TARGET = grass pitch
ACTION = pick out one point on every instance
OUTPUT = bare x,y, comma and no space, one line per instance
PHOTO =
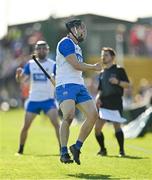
41,159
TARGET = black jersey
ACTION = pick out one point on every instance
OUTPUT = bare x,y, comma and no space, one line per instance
111,94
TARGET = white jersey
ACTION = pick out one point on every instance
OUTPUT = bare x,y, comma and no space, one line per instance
40,86
65,73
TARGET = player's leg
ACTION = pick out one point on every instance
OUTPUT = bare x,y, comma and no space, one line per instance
120,138
89,109
68,111
53,116
66,96
100,136
29,117
32,109
50,109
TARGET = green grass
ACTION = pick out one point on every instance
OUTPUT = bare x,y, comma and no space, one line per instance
41,160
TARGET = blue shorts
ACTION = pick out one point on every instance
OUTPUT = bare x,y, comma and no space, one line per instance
76,92
38,106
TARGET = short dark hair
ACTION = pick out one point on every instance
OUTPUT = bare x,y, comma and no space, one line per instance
73,23
110,50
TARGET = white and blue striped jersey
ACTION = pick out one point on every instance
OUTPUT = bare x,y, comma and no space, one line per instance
40,86
65,73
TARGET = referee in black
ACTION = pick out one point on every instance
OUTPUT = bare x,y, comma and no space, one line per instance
112,80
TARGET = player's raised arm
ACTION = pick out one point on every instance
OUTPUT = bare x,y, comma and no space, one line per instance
81,66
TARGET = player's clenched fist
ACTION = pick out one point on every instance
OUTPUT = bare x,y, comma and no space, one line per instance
18,73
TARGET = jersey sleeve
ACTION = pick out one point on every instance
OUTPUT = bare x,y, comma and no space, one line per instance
66,47
123,75
26,69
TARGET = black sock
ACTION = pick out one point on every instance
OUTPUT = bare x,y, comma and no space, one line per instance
120,138
21,148
100,140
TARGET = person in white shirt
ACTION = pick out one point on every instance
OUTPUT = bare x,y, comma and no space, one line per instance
41,95
70,89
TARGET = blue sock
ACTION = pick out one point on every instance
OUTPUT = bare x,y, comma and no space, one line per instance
78,144
64,150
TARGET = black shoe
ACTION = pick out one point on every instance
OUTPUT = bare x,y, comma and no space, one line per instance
20,152
20,149
102,152
121,154
66,158
76,153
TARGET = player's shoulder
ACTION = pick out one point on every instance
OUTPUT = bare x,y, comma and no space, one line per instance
66,40
31,61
